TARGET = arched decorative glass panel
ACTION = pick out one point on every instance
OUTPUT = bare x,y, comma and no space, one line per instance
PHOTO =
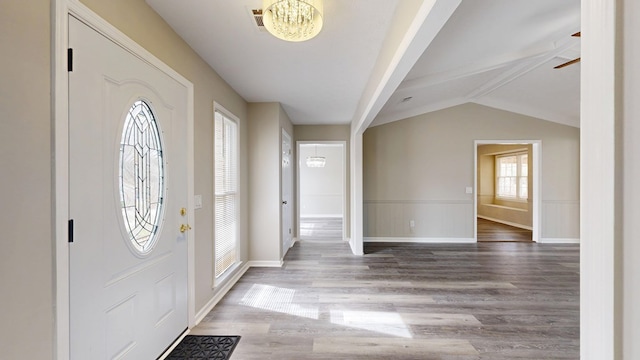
141,177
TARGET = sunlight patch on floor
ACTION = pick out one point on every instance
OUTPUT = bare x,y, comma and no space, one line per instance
277,299
388,323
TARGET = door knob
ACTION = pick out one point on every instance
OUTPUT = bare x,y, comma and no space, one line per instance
284,203
184,227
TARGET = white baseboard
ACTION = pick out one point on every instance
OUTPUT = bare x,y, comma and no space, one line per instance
229,284
260,263
222,291
559,241
321,216
420,240
506,222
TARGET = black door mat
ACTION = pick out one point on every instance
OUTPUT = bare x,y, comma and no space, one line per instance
204,347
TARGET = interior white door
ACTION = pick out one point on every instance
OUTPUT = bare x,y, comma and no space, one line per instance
287,184
128,258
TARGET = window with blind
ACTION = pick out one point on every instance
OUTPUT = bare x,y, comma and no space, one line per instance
512,176
226,192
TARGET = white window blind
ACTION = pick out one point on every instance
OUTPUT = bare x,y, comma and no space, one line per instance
226,192
511,176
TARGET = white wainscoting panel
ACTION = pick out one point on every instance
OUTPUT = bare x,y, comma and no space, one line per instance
432,219
560,221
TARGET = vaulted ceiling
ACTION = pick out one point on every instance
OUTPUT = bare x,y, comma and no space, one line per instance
378,61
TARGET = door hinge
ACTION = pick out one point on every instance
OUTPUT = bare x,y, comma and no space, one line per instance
70,59
70,230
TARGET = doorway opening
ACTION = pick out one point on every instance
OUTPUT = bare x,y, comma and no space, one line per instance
321,190
507,188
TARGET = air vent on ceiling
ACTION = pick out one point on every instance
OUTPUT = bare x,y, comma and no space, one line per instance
257,17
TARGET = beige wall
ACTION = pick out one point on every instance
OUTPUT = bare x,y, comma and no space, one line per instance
331,133
26,275
265,138
628,286
511,212
418,168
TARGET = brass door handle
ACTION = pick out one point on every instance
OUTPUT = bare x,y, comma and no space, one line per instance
184,227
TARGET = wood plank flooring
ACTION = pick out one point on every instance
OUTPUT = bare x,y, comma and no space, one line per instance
494,231
407,301
320,229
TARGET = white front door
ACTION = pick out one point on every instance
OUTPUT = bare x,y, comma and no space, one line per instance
128,184
287,184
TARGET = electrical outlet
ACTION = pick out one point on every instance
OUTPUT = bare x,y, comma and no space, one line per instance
412,223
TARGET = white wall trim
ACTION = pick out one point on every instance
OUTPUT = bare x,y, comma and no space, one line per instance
506,222
322,216
420,240
559,241
265,263
287,242
60,100
217,107
601,273
356,241
221,292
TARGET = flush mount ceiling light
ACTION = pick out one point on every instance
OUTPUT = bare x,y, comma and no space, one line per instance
292,20
316,161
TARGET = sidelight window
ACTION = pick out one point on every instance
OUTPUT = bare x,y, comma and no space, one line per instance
226,192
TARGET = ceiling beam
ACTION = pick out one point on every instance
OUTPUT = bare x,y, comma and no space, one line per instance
519,70
400,51
415,111
474,69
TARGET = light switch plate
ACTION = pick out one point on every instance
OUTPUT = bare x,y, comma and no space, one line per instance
197,201
468,190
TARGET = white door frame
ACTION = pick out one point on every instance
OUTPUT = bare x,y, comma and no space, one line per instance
537,182
344,182
286,245
60,97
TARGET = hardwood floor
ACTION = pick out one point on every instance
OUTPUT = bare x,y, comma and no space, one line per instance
407,301
321,229
494,231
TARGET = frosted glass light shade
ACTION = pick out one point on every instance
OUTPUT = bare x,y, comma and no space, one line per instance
292,20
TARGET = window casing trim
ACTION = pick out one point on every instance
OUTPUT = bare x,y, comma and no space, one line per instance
220,278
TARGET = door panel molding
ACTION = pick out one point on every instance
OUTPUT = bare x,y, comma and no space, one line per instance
60,97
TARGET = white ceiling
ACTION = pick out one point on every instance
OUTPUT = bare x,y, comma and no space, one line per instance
369,57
